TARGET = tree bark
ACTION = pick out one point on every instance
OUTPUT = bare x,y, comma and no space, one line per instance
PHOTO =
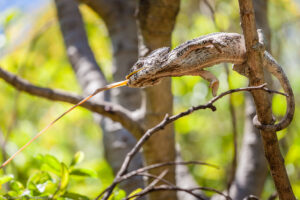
156,20
252,168
117,141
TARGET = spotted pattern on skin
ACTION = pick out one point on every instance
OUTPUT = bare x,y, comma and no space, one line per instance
195,55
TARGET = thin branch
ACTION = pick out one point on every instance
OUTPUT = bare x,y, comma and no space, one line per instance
167,182
234,134
165,188
145,174
150,186
176,188
143,169
167,120
157,165
212,190
211,9
115,112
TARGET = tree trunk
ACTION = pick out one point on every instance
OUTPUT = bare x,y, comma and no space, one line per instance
252,168
262,102
117,141
156,19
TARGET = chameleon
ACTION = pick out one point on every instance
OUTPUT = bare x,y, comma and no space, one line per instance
191,58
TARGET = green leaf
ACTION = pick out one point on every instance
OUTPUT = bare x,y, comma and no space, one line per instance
50,188
135,192
39,177
72,195
12,194
78,157
118,194
3,198
64,176
6,178
13,14
47,168
83,172
16,186
52,162
33,183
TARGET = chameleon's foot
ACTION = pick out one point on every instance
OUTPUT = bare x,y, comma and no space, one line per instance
208,76
242,69
214,85
214,82
265,127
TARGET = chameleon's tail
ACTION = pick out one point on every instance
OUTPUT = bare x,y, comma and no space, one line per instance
275,69
107,87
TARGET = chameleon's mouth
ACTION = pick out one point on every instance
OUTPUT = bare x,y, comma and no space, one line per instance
142,82
134,72
139,78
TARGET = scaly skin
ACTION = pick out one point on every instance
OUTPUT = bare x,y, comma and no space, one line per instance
192,57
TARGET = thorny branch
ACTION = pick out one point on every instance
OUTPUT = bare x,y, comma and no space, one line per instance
167,120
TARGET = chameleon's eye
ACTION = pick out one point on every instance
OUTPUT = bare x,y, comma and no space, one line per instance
137,67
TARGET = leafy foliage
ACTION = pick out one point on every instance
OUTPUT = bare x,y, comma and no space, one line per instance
51,181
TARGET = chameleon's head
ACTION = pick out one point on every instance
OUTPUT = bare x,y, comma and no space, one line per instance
144,72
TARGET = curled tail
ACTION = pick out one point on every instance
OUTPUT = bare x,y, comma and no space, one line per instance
275,69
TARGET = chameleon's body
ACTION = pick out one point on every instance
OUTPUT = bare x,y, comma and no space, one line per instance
192,57
189,58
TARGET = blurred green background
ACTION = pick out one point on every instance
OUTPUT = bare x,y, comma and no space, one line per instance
31,46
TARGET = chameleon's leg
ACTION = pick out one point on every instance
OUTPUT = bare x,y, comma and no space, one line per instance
182,53
214,82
